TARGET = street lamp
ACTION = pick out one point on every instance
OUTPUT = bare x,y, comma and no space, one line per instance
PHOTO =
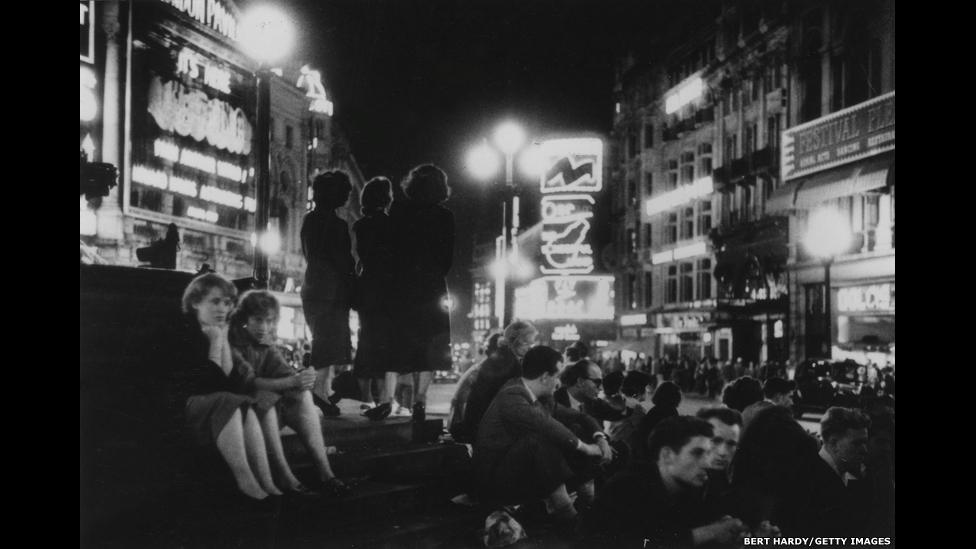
828,235
266,35
482,162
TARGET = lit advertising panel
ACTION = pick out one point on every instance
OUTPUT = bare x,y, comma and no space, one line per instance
192,133
566,298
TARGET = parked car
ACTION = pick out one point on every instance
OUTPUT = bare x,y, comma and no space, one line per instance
821,384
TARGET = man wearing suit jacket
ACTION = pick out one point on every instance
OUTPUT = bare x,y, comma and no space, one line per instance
521,452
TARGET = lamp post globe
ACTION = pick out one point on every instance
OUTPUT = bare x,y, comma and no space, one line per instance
266,34
482,162
509,137
828,235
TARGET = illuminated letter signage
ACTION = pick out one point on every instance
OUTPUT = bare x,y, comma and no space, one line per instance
211,13
311,80
188,112
197,66
873,298
574,168
566,298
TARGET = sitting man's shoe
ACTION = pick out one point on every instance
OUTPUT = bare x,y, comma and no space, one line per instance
335,488
328,408
302,491
379,412
419,412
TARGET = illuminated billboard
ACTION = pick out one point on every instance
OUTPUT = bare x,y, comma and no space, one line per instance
192,131
566,298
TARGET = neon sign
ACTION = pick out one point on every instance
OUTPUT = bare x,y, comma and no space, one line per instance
684,93
161,180
875,297
568,332
187,112
211,13
682,252
311,80
89,104
167,150
87,30
633,320
196,66
566,297
573,169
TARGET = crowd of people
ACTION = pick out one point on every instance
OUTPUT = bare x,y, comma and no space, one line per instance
603,454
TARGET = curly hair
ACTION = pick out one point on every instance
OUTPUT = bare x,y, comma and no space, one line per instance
256,303
426,184
330,190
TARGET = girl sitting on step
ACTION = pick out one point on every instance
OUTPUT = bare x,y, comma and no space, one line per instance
253,334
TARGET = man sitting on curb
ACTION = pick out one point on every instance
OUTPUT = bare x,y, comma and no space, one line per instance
659,504
521,453
726,427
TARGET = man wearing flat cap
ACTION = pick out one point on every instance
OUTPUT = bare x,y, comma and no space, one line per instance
778,392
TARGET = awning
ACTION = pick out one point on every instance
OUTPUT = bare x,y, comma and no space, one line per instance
845,181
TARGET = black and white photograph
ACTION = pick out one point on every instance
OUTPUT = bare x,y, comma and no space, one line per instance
468,274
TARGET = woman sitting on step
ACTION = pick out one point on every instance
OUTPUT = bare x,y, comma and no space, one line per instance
253,334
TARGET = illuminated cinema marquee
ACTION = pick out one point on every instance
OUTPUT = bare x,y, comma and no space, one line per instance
587,297
574,170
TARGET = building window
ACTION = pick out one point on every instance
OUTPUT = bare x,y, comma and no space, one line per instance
688,223
705,279
671,230
687,167
631,241
746,203
672,174
731,147
671,295
647,235
648,136
687,281
747,93
750,139
648,184
632,293
648,288
632,197
772,132
704,217
756,88
704,159
289,137
632,145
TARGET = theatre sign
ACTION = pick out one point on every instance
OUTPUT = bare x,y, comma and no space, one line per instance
568,290
192,121
851,134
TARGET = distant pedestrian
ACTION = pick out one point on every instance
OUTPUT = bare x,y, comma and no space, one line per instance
327,291
424,254
375,242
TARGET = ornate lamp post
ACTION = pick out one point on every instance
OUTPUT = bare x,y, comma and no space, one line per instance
828,235
266,35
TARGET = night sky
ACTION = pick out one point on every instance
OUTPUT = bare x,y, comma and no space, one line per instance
417,81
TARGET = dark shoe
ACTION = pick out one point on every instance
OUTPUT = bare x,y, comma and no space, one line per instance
335,488
270,504
334,398
379,412
328,408
419,412
302,491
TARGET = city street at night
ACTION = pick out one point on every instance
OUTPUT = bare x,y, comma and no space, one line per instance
486,273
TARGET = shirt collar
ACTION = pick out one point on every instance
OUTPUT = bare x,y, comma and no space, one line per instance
531,394
573,403
825,455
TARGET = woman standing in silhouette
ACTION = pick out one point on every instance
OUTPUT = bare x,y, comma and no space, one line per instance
424,232
327,291
374,246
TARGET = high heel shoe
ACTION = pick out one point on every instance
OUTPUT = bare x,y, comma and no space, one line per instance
328,408
379,412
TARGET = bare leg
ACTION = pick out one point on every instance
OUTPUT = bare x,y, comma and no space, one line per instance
388,387
421,385
230,443
323,382
257,454
276,452
305,421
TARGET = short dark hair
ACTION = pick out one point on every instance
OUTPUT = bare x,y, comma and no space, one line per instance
742,392
576,350
675,432
724,414
426,184
635,383
540,360
492,345
612,382
256,303
578,370
837,420
330,190
377,194
667,394
778,386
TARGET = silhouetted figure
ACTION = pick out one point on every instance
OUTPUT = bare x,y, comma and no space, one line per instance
424,232
375,357
327,291
162,254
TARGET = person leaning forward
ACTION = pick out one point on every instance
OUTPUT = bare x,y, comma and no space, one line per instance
521,452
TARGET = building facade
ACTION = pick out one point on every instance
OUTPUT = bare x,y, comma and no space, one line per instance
706,255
